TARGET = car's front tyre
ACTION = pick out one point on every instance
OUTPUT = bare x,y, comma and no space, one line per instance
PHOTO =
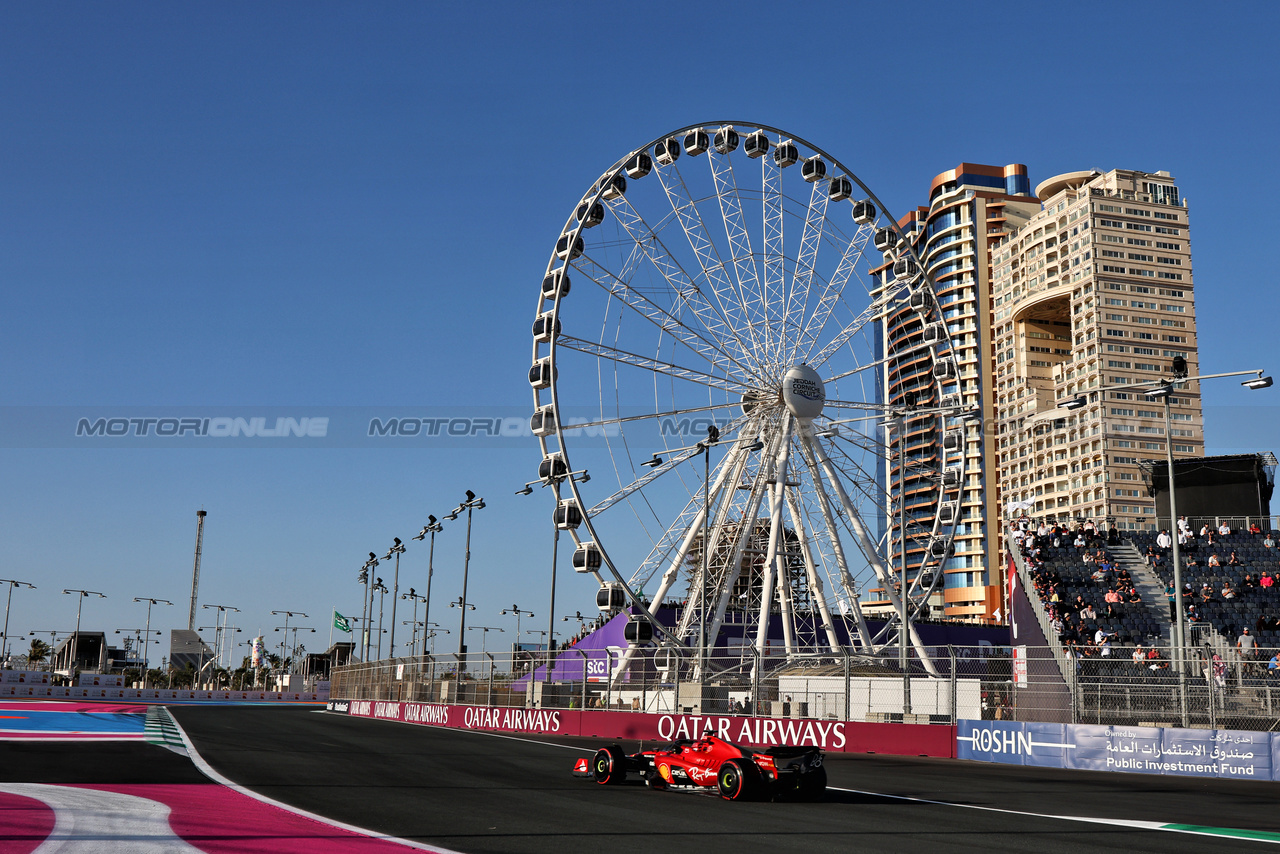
609,767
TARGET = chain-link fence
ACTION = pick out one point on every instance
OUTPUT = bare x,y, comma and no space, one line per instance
1233,691
946,684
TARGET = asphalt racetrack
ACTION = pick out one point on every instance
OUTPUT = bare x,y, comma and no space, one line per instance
474,793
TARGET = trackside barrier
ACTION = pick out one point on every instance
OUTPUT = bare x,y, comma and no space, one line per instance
59,692
831,735
1219,753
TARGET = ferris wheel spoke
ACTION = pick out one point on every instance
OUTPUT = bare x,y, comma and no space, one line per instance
739,237
797,300
849,259
732,306
659,470
619,287
604,351
713,320
878,363
774,261
851,329
648,416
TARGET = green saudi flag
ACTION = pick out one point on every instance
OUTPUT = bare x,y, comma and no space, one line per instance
341,623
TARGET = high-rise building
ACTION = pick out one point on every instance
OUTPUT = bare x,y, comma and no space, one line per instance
971,209
1092,294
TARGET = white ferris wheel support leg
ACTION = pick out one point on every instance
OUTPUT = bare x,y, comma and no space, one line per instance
673,571
744,532
868,549
775,534
733,461
837,548
811,571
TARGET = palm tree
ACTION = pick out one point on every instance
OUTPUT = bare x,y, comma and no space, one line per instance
38,652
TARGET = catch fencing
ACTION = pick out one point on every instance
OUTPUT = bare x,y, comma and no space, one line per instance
1019,683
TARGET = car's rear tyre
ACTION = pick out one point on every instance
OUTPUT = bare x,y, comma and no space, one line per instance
609,767
812,786
738,780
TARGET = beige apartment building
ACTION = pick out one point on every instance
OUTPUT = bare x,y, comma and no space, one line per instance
1092,294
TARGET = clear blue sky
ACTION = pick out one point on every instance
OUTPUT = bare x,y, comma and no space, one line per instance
351,205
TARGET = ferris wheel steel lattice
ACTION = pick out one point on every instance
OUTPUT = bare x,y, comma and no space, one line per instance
709,345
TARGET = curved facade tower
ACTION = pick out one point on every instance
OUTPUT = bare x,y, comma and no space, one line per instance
972,208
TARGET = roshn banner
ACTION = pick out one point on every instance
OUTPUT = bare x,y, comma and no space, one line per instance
1225,754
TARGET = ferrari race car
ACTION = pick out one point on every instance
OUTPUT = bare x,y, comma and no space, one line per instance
738,773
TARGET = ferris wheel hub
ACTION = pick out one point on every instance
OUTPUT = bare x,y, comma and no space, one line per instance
803,392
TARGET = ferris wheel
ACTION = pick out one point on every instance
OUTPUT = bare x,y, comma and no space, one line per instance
709,373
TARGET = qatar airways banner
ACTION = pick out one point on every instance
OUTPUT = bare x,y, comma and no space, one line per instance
835,736
1225,754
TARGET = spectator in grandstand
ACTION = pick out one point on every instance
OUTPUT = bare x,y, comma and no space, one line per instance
1213,560
1266,581
1249,580
1112,597
1157,560
1233,560
1228,592
1193,616
1055,623
1205,529
1078,542
1100,574
1186,541
1132,597
1217,672
1087,612
1138,655
1171,593
1273,666
1163,540
1247,645
1269,542
1254,529
1206,593
1224,530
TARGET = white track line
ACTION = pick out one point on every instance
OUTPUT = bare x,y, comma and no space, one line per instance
209,772
1116,822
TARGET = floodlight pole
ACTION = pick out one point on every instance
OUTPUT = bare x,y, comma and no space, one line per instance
4,646
75,639
432,528
396,549
146,661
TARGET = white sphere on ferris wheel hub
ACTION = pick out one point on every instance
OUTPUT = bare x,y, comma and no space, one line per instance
709,346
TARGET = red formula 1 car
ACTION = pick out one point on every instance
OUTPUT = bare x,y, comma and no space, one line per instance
739,773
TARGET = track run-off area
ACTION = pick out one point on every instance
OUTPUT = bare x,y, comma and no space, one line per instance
265,779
